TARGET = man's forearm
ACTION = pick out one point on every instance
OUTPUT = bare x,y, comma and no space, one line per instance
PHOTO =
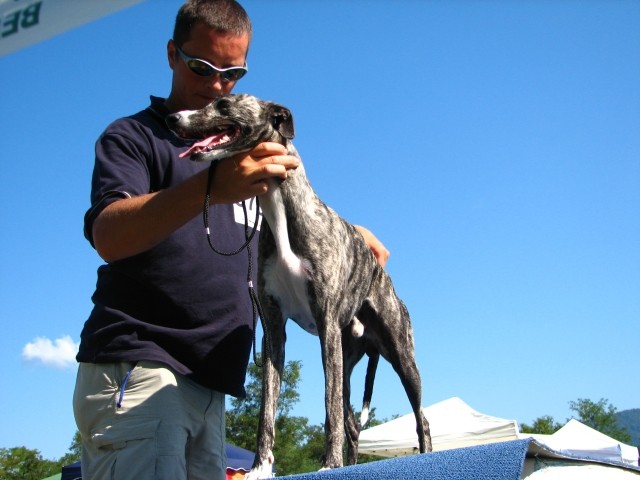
133,225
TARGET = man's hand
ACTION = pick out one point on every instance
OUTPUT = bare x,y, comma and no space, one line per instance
376,246
245,176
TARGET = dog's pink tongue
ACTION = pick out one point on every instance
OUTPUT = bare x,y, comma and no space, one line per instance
197,146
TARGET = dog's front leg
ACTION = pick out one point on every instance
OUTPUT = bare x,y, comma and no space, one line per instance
352,351
272,368
330,342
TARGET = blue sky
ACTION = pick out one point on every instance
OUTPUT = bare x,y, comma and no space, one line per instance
494,147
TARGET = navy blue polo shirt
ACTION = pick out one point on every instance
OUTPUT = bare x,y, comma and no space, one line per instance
178,303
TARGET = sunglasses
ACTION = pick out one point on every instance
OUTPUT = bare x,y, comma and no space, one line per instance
205,69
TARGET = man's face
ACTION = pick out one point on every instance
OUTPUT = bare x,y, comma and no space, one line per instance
222,50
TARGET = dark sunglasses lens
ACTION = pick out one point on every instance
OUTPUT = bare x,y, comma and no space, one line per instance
200,68
233,75
205,70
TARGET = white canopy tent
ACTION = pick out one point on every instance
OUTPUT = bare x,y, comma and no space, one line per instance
26,22
578,439
453,424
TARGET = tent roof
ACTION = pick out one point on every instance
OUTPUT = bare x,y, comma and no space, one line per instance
238,458
576,438
512,460
453,424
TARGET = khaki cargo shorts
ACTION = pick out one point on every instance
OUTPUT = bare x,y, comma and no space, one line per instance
144,421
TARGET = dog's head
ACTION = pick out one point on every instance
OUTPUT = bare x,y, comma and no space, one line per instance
231,124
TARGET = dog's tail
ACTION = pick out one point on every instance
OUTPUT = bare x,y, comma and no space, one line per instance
372,366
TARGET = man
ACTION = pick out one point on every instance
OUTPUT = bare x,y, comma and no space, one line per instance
171,328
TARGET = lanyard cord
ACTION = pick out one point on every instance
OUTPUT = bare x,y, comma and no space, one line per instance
205,215
248,235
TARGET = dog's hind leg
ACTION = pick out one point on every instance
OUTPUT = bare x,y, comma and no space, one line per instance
392,325
372,366
351,425
409,376
352,352
366,343
402,358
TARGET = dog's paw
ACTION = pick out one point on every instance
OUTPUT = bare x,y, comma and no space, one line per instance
331,467
263,470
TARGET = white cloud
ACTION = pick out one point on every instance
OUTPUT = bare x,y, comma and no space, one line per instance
61,353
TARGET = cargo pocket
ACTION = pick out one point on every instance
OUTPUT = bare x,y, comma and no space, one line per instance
132,442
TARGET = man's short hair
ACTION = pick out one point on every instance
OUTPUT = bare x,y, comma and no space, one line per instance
226,16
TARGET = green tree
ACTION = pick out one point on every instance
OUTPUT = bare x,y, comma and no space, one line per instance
371,422
313,449
293,433
75,450
544,425
21,463
299,446
601,416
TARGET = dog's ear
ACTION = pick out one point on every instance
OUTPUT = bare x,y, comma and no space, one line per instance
282,120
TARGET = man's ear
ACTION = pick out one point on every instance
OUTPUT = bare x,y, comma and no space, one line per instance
171,53
282,120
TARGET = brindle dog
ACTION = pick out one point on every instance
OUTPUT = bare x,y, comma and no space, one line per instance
315,268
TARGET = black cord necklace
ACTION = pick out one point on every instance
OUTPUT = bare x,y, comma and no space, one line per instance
248,235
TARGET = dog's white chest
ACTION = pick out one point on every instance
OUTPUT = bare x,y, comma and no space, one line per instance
286,276
286,281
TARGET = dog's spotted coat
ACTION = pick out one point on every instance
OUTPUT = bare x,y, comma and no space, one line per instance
315,268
